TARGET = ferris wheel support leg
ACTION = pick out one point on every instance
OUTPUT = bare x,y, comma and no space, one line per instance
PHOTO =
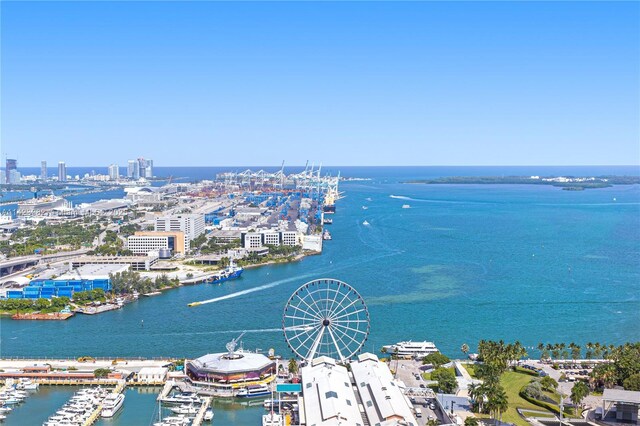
314,348
336,344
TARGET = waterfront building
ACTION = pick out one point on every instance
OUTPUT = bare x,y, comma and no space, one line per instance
3,177
142,242
619,405
230,367
331,396
289,238
251,240
192,225
43,170
136,263
114,172
268,237
144,194
152,374
133,169
62,171
13,176
10,165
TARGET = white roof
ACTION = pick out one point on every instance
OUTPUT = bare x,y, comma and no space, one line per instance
621,395
328,395
93,271
221,363
380,393
153,371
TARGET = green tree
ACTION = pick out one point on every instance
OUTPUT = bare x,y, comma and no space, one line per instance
471,421
534,389
436,359
579,391
446,379
101,372
548,383
632,382
293,366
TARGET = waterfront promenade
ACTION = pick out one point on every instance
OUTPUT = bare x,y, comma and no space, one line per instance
132,364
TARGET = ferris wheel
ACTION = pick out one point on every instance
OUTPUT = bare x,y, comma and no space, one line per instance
325,317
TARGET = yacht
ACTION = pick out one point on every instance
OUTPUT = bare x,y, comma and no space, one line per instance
412,349
365,223
186,409
326,235
253,391
406,206
27,384
208,415
112,404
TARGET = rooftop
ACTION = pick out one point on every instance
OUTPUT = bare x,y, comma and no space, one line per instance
240,362
621,395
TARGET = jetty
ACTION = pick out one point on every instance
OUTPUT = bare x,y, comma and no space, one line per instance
197,421
54,316
165,390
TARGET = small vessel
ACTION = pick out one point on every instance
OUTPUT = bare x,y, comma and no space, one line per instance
406,206
365,223
327,221
208,415
112,403
412,349
272,419
229,273
364,207
2,417
186,409
368,199
326,235
253,391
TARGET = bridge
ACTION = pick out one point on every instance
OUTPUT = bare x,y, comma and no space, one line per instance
10,266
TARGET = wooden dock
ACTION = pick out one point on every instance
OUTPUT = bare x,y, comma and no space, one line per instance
197,421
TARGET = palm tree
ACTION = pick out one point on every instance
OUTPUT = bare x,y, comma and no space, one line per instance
579,391
293,366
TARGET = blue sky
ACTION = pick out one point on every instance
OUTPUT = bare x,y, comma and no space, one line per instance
416,83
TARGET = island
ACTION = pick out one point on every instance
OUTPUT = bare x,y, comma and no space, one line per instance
568,183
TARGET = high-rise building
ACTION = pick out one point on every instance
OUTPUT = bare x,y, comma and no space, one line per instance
142,167
133,169
62,171
114,172
10,165
43,170
149,169
191,224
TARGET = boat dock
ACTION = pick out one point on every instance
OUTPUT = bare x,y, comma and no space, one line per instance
197,421
166,390
52,316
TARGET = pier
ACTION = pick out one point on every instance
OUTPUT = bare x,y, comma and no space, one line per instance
165,390
197,421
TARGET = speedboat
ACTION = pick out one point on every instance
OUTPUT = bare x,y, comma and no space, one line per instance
365,223
208,415
406,206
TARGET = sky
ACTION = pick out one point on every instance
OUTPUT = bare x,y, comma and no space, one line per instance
342,83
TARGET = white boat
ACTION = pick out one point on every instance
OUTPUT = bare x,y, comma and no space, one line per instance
364,207
5,409
272,419
186,409
365,223
412,349
27,384
112,404
253,391
2,417
406,206
208,415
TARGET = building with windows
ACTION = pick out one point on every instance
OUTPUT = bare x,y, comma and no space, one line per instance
11,165
43,170
114,172
62,171
192,225
142,242
268,237
251,240
133,169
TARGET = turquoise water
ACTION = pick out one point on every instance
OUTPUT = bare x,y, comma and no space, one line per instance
463,263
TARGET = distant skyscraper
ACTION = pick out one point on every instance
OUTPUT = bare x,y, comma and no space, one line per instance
9,166
43,170
142,167
62,171
114,172
149,169
133,169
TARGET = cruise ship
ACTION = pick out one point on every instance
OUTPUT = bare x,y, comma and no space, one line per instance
111,404
45,203
412,349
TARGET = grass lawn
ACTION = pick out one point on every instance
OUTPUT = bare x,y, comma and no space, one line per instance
545,415
427,376
470,369
513,381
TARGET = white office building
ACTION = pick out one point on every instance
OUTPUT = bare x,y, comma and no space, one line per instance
191,224
143,244
252,240
289,238
271,238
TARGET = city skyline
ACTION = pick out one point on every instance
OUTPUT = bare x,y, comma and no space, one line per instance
226,84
